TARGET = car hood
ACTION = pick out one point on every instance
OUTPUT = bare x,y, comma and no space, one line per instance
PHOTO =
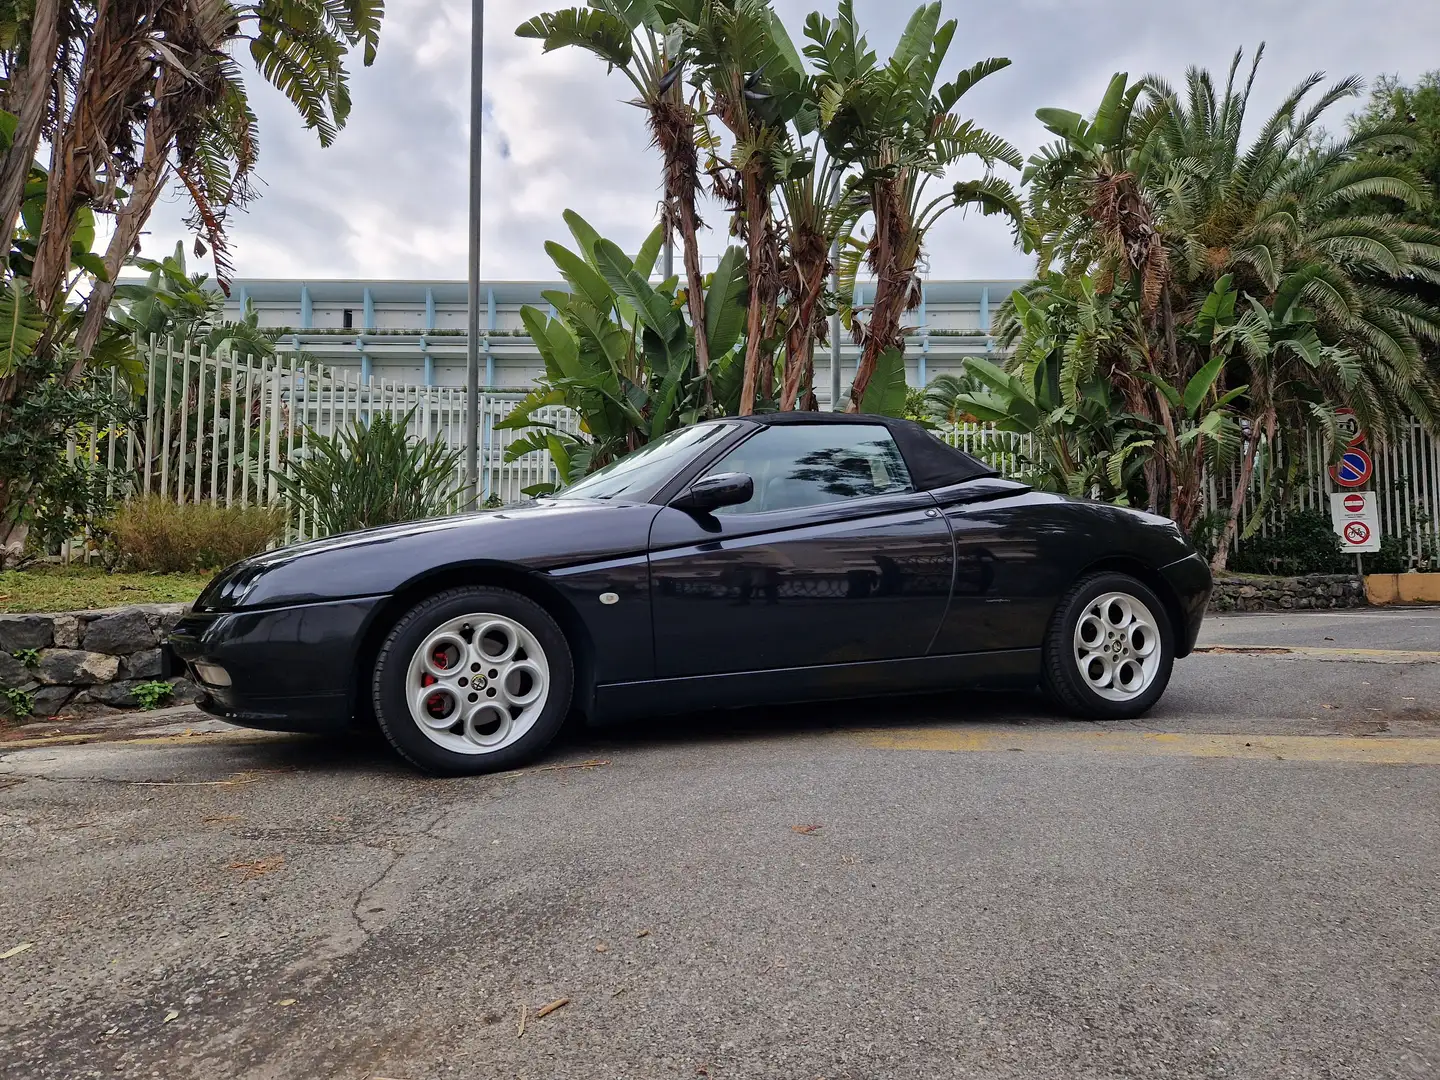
541,535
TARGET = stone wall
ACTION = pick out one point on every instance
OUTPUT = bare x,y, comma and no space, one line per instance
1246,593
87,660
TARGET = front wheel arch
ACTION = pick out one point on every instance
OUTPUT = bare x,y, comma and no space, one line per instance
1147,575
528,584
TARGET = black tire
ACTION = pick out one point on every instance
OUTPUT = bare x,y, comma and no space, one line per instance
392,673
1062,677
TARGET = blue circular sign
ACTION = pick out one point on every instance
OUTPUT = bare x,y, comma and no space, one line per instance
1355,468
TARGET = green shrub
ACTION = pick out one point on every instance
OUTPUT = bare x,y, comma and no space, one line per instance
151,694
18,703
155,534
371,474
1305,543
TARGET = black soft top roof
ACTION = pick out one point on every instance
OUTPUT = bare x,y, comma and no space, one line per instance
932,462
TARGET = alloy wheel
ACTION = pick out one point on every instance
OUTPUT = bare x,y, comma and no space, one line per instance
477,683
1117,646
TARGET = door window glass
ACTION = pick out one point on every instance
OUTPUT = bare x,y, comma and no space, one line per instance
795,465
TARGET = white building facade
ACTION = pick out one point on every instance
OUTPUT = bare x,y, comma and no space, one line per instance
413,332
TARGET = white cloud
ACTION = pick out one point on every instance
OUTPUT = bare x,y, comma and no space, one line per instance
389,199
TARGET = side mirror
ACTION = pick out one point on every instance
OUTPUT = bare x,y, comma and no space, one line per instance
712,492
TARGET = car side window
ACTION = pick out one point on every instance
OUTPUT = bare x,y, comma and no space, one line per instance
795,465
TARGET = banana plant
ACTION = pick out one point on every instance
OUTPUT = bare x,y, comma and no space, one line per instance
1086,447
619,352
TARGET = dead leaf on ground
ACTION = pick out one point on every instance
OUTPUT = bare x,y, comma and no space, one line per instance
602,947
257,867
17,950
520,1032
558,1003
643,933
806,830
287,1002
1325,705
173,1014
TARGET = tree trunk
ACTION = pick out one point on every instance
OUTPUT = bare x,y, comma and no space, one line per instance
1237,501
800,337
695,283
28,97
144,189
673,126
755,210
892,286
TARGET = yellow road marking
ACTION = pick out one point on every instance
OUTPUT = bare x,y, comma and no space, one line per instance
1323,652
1155,744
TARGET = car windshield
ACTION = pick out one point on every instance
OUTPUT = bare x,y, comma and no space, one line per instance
638,474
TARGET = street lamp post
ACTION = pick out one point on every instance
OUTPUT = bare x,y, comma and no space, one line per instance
472,351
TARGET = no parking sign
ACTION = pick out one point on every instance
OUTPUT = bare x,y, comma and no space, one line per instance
1356,520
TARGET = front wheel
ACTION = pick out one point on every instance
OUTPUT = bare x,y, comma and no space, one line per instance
1110,648
473,680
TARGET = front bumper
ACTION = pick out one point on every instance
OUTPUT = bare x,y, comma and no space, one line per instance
1190,579
290,668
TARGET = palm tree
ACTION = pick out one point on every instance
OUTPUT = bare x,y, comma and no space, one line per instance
813,215
138,89
1163,201
753,82
630,36
895,124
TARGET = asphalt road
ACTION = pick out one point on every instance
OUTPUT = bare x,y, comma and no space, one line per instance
1242,885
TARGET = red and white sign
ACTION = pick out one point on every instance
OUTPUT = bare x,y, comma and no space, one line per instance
1355,469
1347,426
1356,520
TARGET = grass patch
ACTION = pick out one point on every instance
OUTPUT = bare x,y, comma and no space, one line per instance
75,588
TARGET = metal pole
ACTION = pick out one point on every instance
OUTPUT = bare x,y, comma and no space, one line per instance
668,261
472,350
835,330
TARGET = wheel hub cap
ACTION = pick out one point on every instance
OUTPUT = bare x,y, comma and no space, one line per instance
477,683
1117,646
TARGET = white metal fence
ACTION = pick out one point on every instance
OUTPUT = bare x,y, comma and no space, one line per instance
1296,473
220,430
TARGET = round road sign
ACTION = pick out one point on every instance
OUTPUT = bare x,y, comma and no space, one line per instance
1357,532
1347,426
1355,468
1354,503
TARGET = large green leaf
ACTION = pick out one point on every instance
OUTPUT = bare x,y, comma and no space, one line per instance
1200,384
649,252
21,325
583,277
885,396
656,310
588,28
724,307
585,235
557,347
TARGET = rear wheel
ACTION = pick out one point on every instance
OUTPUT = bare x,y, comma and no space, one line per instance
1110,648
473,680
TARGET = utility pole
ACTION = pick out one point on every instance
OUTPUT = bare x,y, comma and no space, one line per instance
471,496
835,330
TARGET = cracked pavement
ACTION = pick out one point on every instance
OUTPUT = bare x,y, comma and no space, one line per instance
953,886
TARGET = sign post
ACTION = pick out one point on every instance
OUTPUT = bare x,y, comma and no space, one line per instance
1356,519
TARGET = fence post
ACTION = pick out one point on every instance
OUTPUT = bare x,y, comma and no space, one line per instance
273,489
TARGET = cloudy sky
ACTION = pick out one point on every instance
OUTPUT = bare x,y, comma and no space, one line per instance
388,200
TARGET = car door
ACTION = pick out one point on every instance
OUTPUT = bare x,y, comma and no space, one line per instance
835,559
